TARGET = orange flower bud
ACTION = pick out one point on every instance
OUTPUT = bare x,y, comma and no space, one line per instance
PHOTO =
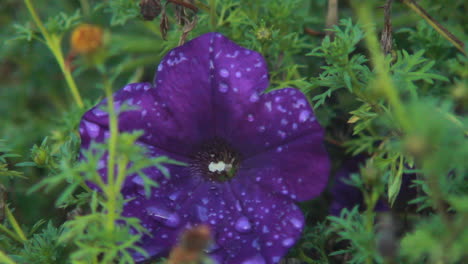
87,38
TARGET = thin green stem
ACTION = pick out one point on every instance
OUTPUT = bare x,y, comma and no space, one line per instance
53,43
213,14
11,234
5,259
384,81
15,225
112,152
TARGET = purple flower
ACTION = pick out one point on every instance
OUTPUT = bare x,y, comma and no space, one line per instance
251,154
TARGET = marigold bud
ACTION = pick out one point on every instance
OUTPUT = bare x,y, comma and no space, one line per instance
87,38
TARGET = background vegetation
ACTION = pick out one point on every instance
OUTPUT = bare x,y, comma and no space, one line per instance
401,104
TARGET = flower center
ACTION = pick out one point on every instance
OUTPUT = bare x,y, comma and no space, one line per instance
216,161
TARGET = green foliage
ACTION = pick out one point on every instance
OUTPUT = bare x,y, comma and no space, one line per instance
421,131
43,248
351,226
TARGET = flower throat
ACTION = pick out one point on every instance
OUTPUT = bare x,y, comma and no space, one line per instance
216,161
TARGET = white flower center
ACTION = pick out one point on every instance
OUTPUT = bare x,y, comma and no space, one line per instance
219,166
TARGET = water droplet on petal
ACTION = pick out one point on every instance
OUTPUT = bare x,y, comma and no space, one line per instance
167,218
254,98
224,73
255,260
250,118
223,87
242,224
238,74
261,129
303,115
296,222
268,106
288,242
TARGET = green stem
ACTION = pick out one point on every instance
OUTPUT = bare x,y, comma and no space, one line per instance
113,127
11,234
53,43
15,225
384,81
5,259
213,14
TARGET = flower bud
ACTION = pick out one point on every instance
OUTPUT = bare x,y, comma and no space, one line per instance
190,250
40,156
263,33
370,174
86,39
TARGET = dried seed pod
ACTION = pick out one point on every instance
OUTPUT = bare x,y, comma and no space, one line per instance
164,25
150,9
3,198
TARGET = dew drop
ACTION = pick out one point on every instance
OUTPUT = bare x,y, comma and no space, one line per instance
223,87
238,74
253,98
99,113
282,134
93,129
255,260
279,149
250,118
303,115
167,218
288,242
242,224
268,106
296,222
224,73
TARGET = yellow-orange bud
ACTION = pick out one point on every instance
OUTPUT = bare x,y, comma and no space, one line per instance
87,38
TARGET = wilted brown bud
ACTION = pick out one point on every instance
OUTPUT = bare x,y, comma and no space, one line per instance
150,9
190,250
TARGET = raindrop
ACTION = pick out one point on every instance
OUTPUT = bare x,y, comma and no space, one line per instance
288,242
303,115
242,224
279,149
223,87
99,113
268,106
238,74
224,73
250,118
255,260
282,134
254,98
167,218
93,129
296,223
